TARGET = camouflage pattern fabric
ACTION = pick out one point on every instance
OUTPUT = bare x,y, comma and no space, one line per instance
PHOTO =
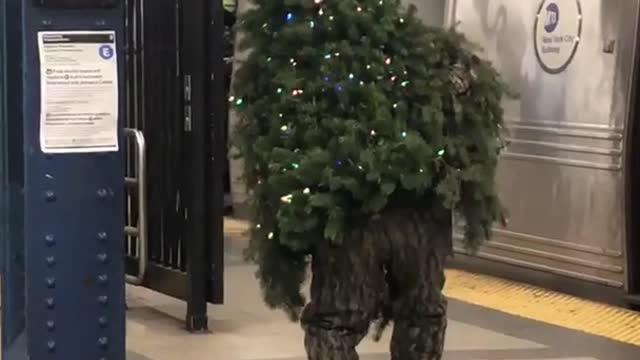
394,264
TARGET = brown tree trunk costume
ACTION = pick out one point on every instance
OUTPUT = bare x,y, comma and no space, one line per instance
390,266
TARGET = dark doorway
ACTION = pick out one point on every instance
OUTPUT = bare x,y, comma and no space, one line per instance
632,180
633,213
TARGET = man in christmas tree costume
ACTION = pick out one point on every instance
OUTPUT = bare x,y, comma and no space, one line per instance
363,133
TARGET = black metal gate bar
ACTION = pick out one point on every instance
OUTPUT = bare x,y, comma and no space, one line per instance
218,164
196,126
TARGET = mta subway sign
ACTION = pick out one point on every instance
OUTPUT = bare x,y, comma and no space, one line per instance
557,32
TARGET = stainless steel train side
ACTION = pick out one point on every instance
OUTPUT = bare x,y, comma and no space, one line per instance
565,176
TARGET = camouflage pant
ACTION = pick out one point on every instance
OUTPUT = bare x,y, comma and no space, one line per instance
397,260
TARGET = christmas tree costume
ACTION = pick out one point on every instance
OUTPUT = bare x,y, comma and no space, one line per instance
363,132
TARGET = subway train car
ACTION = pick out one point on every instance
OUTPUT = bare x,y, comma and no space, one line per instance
570,176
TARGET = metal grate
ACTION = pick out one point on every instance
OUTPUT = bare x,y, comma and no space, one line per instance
173,99
155,106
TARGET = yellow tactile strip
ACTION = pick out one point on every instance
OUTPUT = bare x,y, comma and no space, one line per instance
529,302
545,306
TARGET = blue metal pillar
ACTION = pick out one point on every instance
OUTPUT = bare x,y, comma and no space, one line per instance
63,271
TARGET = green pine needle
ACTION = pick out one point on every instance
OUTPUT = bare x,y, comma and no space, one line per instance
323,96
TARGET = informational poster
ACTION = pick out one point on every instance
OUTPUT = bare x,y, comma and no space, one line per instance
558,27
79,91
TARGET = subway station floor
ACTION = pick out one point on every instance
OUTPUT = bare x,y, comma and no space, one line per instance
490,319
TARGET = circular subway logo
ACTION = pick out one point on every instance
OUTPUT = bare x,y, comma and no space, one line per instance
557,31
551,17
106,52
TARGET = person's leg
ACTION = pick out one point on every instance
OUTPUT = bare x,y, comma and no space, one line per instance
347,284
420,335
420,309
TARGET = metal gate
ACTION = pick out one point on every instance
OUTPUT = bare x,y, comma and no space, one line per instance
175,151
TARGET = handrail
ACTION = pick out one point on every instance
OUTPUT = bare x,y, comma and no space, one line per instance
140,180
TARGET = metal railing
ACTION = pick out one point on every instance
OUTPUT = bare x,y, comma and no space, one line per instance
139,182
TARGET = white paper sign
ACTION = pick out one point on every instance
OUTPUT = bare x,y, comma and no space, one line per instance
79,91
557,33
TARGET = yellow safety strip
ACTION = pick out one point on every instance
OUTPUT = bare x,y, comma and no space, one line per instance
545,306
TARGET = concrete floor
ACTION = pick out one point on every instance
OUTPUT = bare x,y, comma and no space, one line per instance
244,329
